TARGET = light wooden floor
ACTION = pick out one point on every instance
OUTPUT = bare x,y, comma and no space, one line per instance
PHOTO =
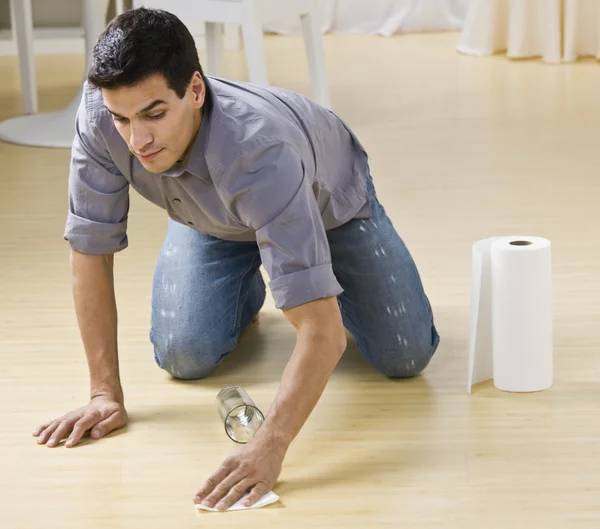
461,148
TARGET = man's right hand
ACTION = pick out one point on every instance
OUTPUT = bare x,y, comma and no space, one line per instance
102,415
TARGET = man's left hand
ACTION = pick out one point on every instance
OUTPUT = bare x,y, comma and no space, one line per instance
254,468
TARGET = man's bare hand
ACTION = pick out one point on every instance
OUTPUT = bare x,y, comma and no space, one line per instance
102,415
253,469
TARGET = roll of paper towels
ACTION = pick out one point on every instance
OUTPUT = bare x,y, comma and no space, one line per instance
511,314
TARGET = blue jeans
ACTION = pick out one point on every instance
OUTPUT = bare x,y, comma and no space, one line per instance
206,291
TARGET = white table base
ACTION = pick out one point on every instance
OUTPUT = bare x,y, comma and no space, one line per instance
56,129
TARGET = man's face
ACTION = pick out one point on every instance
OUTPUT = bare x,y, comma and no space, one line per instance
157,126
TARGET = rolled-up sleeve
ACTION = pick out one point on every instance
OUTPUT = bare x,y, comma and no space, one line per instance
270,193
98,194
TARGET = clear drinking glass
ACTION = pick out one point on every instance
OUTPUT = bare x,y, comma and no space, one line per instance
239,414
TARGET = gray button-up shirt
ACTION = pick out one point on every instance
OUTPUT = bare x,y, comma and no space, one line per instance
267,165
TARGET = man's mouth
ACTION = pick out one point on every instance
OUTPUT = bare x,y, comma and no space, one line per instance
149,156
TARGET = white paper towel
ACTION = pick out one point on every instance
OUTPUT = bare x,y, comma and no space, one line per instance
267,499
511,314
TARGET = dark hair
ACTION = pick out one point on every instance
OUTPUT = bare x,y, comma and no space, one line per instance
140,43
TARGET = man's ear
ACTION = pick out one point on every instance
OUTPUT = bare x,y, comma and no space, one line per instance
198,88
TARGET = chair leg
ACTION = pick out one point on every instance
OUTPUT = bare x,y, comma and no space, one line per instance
23,32
313,41
232,37
254,45
119,7
94,22
214,48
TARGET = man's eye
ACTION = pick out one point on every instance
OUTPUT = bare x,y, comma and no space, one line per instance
157,116
120,120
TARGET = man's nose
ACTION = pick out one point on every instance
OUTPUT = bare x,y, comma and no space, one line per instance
140,137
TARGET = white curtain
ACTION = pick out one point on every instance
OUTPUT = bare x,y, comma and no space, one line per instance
555,30
381,17
521,28
581,29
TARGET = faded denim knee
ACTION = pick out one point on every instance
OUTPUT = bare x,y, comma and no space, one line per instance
190,355
405,358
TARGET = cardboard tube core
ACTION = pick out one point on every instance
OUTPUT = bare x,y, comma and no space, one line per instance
520,243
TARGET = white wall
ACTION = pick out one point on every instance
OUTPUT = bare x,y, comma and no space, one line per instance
57,28
50,13
57,22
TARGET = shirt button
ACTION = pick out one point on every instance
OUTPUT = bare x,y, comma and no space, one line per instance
177,201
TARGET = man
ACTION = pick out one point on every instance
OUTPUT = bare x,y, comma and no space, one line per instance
248,175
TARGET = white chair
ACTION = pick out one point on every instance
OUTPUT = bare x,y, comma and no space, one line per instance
46,129
250,15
